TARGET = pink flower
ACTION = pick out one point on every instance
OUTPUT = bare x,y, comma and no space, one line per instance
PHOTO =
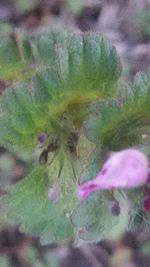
124,169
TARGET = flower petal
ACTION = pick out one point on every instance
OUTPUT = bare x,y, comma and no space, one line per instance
124,169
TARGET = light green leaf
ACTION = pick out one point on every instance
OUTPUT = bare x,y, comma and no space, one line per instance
28,203
17,99
115,127
46,48
15,54
95,221
92,168
46,83
94,218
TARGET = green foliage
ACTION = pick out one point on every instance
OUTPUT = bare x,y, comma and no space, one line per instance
142,20
90,170
17,124
137,218
82,61
57,87
15,54
118,124
8,51
114,125
29,204
71,55
73,86
94,219
141,85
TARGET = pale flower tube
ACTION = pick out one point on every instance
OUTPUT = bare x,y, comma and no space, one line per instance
124,169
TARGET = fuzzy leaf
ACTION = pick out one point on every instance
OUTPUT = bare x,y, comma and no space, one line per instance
22,117
91,169
46,46
75,48
46,84
8,51
85,59
117,126
17,99
87,211
15,53
142,84
71,80
136,219
68,77
29,205
100,59
93,215
95,220
10,138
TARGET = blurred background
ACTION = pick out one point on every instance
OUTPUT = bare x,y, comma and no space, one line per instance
126,24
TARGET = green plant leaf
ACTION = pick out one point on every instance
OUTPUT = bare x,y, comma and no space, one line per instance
94,218
29,205
85,214
93,215
44,46
142,20
46,84
71,71
119,125
20,96
85,59
57,88
90,170
15,54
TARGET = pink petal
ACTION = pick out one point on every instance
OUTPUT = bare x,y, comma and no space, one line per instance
86,189
124,169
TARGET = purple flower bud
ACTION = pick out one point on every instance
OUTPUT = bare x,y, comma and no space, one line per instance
41,137
53,194
115,208
146,201
124,169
